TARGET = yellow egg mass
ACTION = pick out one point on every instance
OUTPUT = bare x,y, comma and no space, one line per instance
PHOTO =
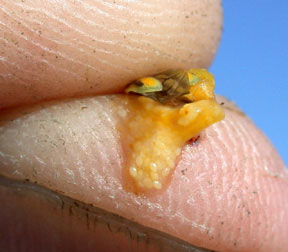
157,133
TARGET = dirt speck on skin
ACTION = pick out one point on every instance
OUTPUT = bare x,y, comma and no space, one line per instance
184,171
229,105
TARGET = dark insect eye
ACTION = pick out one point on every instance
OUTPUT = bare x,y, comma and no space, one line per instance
138,83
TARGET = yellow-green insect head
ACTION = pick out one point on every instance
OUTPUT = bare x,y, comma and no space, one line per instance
145,85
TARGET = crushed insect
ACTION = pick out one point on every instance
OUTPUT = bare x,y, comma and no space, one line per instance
173,107
176,86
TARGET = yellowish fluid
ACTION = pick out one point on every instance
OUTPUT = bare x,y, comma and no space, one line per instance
157,133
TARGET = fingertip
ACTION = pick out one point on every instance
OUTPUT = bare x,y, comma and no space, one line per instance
94,47
227,192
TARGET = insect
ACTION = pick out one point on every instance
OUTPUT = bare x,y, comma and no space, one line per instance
176,86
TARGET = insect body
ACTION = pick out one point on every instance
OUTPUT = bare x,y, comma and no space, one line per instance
176,86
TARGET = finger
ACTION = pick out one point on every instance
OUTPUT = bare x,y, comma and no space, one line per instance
227,193
72,48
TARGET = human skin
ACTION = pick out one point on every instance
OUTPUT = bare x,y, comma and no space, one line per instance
229,190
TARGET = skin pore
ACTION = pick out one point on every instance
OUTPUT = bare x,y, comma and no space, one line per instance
229,189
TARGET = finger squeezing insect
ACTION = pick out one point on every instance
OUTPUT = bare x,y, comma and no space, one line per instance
176,86
171,108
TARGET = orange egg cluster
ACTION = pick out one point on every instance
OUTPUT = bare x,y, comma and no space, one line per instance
157,134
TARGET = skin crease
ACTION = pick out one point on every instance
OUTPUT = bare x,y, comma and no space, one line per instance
232,196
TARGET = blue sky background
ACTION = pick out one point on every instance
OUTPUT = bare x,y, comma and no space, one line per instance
251,67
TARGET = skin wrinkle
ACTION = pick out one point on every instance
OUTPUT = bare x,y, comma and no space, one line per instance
54,52
89,22
134,15
256,154
30,73
65,43
232,142
7,62
213,142
238,200
57,53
